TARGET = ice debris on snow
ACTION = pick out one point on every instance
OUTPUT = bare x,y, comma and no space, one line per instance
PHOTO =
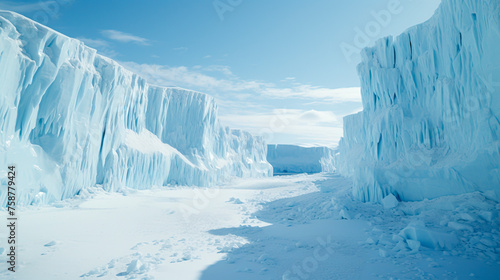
51,244
235,200
429,238
383,253
390,201
460,226
413,244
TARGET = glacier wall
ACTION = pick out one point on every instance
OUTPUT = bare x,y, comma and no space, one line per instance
431,120
289,159
72,119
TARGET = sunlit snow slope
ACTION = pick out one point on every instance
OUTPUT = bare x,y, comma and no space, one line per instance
431,96
70,119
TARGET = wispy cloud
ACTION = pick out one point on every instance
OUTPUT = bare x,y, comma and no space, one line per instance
181,49
197,77
310,92
174,76
223,69
123,37
21,7
191,78
95,43
102,46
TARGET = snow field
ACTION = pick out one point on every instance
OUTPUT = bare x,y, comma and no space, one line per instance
285,227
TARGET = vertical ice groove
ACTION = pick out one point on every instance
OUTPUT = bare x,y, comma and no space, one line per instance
83,120
441,135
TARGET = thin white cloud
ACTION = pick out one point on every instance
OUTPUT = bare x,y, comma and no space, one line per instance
103,47
318,117
173,76
94,43
223,69
355,111
196,78
241,105
180,49
124,37
312,92
190,78
21,7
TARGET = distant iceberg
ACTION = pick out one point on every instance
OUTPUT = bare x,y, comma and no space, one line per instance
71,119
431,120
291,159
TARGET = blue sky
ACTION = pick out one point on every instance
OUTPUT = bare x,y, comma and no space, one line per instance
282,69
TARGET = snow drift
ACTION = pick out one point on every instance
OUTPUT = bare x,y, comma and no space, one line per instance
296,159
71,119
430,125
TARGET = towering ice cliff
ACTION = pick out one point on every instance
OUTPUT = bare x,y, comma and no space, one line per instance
431,120
71,119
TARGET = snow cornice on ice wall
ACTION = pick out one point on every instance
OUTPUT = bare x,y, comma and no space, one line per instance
431,96
72,119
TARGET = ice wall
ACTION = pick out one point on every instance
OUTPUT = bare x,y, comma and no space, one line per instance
431,96
289,159
71,119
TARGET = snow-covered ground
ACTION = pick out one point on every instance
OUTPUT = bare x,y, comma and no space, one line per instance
290,227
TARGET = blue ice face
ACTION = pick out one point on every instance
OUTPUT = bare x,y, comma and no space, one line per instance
430,125
72,119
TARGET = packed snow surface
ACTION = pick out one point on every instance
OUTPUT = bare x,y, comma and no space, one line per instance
431,120
284,227
289,159
71,119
